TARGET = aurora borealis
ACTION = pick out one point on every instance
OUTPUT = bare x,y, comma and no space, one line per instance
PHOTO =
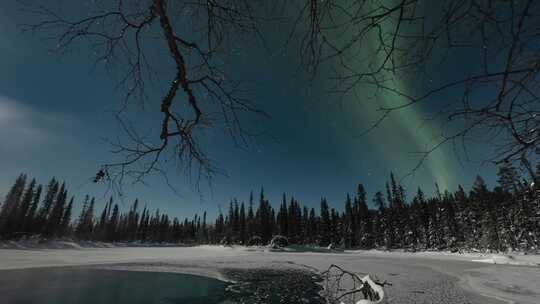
310,147
405,134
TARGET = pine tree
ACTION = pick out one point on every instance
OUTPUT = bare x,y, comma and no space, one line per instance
25,205
46,207
293,218
265,218
53,222
479,191
362,226
229,221
325,225
396,193
143,225
29,220
305,226
103,224
132,221
335,228
450,228
478,196
204,232
349,228
312,227
112,225
384,228
66,217
434,231
88,226
282,217
236,220
8,213
251,217
508,178
243,234
484,220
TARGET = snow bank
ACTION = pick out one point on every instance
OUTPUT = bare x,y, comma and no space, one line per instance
522,260
515,258
377,288
35,243
512,284
406,271
66,243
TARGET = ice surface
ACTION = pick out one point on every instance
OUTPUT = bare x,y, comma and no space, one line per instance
432,277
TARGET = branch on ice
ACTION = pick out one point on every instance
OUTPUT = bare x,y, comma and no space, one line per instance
345,287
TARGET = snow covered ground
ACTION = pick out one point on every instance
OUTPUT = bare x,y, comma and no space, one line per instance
426,277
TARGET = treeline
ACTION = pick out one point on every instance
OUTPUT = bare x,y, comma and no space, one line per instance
506,217
26,211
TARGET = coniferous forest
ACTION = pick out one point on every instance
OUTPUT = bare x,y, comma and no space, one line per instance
506,217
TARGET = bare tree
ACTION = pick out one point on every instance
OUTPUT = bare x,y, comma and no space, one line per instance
343,286
368,45
375,44
192,38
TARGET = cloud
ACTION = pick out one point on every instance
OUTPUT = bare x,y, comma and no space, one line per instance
22,126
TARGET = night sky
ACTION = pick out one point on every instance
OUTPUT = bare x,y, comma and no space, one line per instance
56,111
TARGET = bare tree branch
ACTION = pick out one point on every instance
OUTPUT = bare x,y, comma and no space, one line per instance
373,46
197,35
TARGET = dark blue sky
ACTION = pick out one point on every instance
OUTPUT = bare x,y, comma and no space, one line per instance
55,112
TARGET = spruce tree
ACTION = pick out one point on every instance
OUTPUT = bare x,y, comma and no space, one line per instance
112,225
89,219
243,227
282,217
325,225
362,229
29,220
53,222
251,217
508,178
204,228
25,205
66,218
46,207
10,208
132,221
349,227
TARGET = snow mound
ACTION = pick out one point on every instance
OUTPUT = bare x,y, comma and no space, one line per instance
376,291
279,241
523,260
37,243
344,286
379,291
509,258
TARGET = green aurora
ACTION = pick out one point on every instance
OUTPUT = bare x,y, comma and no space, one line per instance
405,134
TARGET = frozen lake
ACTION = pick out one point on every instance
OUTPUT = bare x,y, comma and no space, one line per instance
416,277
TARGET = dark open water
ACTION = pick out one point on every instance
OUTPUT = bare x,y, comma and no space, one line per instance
97,286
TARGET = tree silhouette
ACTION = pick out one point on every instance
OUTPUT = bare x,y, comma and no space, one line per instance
364,45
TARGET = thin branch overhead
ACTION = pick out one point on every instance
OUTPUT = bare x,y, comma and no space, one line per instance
373,46
396,50
122,34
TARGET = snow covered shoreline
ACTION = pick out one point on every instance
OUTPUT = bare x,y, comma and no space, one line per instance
511,258
437,277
